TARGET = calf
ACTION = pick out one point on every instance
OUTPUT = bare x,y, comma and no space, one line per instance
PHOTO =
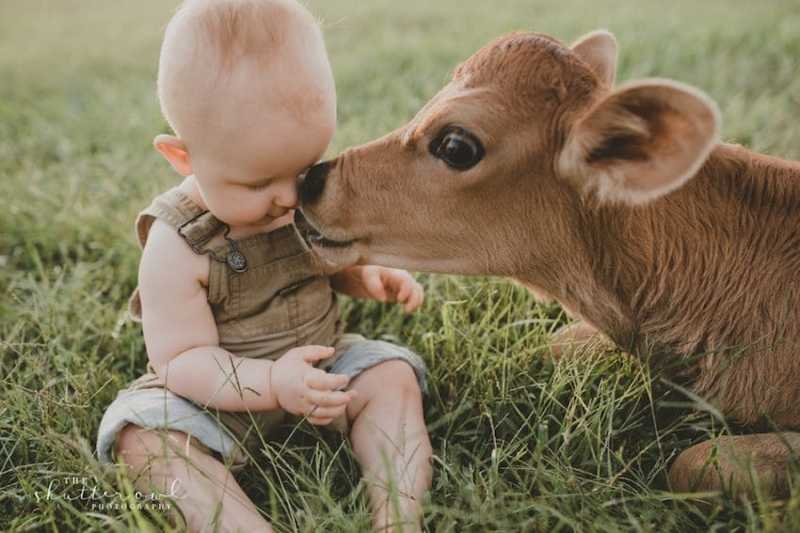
618,202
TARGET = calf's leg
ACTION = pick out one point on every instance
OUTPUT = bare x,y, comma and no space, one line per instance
578,337
740,465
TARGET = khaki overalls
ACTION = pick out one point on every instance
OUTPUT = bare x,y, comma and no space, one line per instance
267,295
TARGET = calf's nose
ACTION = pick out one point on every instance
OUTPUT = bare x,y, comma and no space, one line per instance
312,185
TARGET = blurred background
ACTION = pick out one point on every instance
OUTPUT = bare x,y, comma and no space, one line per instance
78,107
521,444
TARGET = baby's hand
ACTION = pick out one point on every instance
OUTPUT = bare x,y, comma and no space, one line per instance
304,390
393,285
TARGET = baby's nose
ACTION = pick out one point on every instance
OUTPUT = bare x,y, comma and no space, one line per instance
286,198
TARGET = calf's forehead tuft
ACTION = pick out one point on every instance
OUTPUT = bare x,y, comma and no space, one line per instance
527,64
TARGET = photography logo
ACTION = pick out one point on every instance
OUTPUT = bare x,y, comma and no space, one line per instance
88,493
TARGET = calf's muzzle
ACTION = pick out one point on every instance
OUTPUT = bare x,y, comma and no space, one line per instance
311,187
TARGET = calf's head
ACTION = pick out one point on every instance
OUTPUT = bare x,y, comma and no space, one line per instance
492,174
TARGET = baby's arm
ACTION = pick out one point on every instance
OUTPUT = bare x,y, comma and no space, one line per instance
181,336
183,343
379,283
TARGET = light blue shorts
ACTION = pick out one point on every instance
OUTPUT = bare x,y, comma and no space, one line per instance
231,434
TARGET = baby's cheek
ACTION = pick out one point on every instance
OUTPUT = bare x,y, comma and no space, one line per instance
245,211
216,202
238,207
255,204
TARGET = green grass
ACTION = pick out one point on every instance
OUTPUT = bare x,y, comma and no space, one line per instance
521,444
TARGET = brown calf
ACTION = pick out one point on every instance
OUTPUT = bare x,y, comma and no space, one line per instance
619,203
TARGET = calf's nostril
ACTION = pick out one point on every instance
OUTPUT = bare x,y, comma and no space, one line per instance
311,187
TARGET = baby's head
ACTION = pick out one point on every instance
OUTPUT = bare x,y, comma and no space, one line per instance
247,87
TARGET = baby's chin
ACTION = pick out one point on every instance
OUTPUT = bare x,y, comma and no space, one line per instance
266,223
275,222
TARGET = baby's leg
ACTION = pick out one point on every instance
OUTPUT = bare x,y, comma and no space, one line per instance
206,492
391,443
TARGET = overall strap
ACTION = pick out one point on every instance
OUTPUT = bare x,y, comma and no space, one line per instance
194,224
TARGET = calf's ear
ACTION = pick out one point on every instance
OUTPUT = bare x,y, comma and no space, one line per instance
598,49
640,141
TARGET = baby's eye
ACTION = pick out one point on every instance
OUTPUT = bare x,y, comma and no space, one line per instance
258,186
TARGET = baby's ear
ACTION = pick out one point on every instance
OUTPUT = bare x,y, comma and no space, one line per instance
174,150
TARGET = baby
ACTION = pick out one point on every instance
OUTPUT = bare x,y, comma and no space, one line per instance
241,326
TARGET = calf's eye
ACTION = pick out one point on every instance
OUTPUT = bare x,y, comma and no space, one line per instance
458,148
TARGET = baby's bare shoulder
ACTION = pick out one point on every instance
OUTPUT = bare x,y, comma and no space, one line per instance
176,315
167,257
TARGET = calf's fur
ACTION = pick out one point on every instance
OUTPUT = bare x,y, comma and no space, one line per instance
619,203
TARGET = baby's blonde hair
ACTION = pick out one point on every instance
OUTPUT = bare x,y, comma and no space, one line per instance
221,33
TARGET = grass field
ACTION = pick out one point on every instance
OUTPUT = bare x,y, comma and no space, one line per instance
520,444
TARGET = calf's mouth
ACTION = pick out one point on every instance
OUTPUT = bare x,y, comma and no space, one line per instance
315,238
